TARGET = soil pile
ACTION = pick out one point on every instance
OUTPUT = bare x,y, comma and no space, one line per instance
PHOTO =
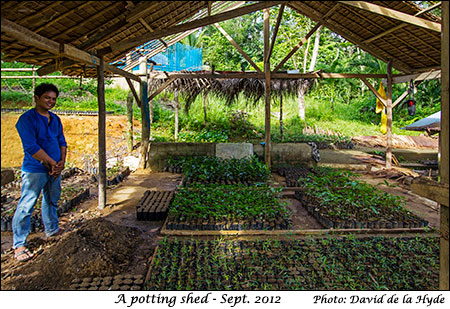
98,248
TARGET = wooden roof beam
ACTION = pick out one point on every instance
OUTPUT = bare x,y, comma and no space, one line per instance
416,77
87,20
239,49
161,88
401,25
64,50
354,11
146,25
62,16
133,90
141,10
294,50
390,13
129,44
374,91
347,34
275,31
51,67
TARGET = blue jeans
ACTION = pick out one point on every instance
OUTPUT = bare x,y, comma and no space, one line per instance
32,185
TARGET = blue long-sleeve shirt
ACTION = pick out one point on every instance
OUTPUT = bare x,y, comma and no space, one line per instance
36,132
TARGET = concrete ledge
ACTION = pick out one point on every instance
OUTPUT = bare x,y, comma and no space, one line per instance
287,153
160,152
234,150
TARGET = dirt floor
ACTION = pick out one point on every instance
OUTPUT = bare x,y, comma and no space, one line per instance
97,242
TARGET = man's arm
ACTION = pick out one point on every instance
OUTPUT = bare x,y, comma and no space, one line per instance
44,159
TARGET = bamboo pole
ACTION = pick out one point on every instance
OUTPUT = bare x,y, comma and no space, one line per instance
267,146
389,116
101,135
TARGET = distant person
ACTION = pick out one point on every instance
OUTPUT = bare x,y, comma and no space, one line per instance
44,147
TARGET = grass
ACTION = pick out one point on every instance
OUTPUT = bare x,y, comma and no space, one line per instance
345,119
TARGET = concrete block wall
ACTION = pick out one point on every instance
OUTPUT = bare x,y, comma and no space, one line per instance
160,152
286,153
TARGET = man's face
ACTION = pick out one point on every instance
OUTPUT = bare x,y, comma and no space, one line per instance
46,101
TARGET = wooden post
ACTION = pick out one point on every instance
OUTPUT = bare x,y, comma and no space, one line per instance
444,147
267,146
281,117
176,116
150,102
101,135
130,121
33,102
145,119
389,116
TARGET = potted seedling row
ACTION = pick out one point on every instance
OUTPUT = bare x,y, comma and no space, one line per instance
369,263
338,200
228,207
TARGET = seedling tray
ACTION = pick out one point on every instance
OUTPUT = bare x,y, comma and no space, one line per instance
213,224
116,283
332,222
154,205
323,263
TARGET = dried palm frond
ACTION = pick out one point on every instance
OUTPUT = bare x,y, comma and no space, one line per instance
230,88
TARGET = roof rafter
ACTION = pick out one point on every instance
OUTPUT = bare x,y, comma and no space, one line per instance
348,34
128,44
69,51
401,25
373,8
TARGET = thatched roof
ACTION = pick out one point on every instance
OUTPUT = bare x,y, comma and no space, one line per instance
230,88
94,26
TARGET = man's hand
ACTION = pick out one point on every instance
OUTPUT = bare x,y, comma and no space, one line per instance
57,169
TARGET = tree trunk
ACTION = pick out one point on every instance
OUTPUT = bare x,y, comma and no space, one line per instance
301,102
130,120
312,65
305,56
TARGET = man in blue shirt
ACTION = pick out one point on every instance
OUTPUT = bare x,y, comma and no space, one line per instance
44,149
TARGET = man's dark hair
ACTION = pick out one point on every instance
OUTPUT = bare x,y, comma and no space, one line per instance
43,88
